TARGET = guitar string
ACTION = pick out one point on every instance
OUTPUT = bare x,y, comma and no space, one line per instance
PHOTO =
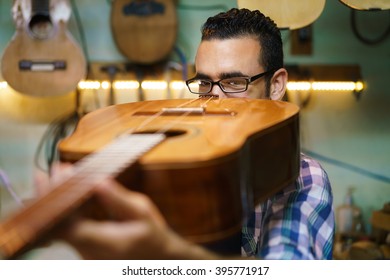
183,115
170,125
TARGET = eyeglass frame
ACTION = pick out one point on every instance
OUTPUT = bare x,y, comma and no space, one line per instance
247,79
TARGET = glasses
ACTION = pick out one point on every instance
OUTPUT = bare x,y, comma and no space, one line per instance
227,85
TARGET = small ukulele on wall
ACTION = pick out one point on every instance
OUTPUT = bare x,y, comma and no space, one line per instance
144,31
42,58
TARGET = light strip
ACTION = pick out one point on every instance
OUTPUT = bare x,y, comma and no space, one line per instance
296,86
131,84
179,85
126,85
154,85
325,86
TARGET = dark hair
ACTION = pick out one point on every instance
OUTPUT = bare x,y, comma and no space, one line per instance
243,22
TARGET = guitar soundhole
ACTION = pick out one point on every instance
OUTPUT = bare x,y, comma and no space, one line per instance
142,9
41,26
168,133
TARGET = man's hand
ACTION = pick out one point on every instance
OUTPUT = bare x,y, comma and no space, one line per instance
137,230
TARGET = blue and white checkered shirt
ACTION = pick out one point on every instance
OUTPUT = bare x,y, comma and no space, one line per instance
296,223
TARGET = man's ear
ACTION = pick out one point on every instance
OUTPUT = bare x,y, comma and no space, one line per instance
278,84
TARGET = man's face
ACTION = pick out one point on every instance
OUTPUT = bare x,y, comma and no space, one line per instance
219,59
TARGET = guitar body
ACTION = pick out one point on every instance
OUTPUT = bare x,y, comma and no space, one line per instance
48,66
367,4
196,176
144,31
287,14
218,159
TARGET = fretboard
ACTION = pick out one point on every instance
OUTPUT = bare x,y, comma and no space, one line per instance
25,228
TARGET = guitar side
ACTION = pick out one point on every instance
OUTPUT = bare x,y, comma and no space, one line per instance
60,50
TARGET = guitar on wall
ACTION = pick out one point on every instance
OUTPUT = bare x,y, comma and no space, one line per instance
42,58
287,14
144,30
367,4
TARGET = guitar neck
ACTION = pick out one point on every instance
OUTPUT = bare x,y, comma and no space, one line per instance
23,230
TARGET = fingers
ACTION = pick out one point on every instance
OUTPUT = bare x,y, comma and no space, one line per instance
139,231
60,168
124,204
136,225
41,182
44,182
113,240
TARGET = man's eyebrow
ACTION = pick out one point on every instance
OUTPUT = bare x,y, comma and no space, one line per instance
202,76
221,75
231,75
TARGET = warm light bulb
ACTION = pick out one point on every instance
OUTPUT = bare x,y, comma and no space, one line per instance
89,85
154,85
126,85
177,85
359,86
297,86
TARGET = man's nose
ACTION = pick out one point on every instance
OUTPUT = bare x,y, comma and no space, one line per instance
216,90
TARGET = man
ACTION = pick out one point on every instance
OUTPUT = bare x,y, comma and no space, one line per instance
240,55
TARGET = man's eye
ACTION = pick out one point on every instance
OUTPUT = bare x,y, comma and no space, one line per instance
203,83
233,82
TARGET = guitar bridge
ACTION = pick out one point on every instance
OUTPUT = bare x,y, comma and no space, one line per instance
43,66
185,111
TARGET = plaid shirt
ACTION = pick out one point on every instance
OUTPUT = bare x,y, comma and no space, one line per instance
296,223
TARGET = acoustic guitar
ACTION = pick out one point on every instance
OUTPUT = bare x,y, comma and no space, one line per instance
144,30
205,163
42,58
367,4
287,14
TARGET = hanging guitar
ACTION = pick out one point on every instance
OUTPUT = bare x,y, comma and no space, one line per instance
367,5
287,14
42,58
202,162
144,30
